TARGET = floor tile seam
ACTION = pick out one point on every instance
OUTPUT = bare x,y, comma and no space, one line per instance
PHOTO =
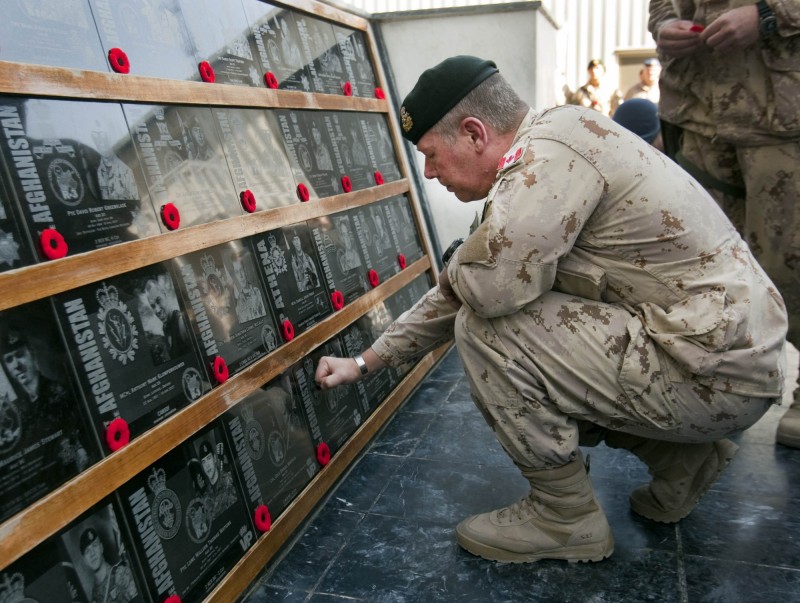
683,589
787,568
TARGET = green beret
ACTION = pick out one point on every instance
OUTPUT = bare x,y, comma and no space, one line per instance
438,90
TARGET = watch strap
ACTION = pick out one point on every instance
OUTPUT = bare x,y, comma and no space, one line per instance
362,366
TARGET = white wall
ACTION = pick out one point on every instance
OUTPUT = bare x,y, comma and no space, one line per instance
512,38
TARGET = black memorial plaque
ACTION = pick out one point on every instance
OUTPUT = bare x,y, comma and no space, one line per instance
311,152
132,348
333,414
151,33
343,267
321,54
91,560
278,43
45,438
404,300
402,227
376,243
220,35
350,150
376,386
183,162
272,445
253,146
375,129
228,306
71,168
357,64
189,522
290,268
51,32
15,250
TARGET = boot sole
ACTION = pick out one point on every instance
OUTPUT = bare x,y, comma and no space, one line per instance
574,554
724,450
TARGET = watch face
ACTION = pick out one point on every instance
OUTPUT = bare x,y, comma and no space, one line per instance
769,25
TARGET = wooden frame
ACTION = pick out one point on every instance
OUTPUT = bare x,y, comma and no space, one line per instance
47,516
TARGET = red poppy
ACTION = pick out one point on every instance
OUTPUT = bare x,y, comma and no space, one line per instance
119,60
207,72
118,434
52,244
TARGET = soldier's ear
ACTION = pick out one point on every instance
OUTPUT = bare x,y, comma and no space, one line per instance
475,129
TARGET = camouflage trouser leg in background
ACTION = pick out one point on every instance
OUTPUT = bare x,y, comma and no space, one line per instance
538,374
769,216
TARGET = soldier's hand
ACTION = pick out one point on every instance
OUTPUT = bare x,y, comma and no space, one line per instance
735,30
333,371
677,39
446,288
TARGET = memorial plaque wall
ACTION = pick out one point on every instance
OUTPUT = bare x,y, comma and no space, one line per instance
125,327
45,438
188,519
71,170
133,351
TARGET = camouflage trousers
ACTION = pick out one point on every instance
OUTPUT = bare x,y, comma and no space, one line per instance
562,365
769,216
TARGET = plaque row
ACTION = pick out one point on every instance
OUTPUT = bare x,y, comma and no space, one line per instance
179,526
78,175
139,346
238,42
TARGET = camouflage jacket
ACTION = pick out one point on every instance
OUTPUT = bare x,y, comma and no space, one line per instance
583,206
746,96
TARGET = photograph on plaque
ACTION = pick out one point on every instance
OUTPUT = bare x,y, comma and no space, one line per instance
355,57
59,33
253,146
343,267
151,33
219,33
70,166
189,521
377,246
350,149
290,268
228,306
333,414
311,152
183,161
15,251
45,438
90,561
321,54
376,386
397,211
132,348
278,45
273,452
375,129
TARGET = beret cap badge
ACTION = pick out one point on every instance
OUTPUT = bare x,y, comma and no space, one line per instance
406,120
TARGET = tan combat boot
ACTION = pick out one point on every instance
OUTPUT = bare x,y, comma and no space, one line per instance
682,473
559,519
788,432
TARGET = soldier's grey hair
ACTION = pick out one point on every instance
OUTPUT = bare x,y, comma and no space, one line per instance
493,101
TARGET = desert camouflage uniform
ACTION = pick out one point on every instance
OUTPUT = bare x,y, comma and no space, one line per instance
604,287
741,121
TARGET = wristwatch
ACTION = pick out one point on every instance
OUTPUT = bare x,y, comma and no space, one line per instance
767,23
362,366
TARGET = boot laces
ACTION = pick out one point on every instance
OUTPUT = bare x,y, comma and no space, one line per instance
521,509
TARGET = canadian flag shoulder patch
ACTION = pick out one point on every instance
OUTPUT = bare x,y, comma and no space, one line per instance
512,157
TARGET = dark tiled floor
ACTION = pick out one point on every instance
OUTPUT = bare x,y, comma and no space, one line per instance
385,534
